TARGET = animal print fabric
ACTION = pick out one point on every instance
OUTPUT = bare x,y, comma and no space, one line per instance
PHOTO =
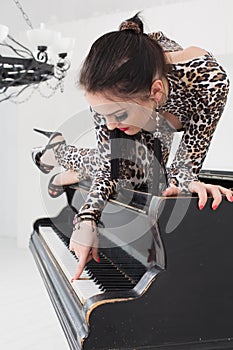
198,91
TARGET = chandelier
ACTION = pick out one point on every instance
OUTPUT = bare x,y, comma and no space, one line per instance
28,69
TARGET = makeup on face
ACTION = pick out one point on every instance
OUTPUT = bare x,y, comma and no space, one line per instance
129,117
123,129
121,117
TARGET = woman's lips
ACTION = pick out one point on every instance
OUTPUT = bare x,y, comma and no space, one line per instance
123,129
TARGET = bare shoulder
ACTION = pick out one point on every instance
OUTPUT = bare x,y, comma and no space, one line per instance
193,51
186,54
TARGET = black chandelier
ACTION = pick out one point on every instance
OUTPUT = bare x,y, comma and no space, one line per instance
26,69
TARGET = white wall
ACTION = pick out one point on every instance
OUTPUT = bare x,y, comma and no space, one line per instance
9,169
199,22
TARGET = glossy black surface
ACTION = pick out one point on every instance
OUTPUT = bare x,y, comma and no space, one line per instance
217,177
171,287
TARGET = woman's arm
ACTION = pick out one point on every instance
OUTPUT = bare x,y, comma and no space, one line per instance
209,88
84,240
102,185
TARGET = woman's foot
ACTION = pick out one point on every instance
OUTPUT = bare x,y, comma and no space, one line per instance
59,182
48,157
44,157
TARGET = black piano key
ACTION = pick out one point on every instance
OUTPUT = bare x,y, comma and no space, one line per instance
116,271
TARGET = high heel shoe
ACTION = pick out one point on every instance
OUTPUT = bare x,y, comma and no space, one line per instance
38,152
57,190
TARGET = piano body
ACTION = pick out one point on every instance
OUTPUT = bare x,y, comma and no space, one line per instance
165,280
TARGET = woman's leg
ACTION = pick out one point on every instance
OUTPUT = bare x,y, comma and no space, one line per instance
80,164
83,160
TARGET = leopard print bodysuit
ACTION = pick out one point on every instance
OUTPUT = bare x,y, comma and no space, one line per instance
198,90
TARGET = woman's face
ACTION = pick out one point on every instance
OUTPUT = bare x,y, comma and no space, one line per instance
130,117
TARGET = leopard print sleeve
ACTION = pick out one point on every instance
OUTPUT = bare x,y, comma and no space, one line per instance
102,185
205,86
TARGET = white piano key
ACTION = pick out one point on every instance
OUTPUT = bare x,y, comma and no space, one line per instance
84,287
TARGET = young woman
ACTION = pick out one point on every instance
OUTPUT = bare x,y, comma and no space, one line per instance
144,87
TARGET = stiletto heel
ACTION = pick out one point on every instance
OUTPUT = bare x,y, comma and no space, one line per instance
49,134
38,152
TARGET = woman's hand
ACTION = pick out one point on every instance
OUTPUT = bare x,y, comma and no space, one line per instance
84,242
203,190
215,191
171,191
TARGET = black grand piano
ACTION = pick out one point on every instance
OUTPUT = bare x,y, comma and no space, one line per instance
165,280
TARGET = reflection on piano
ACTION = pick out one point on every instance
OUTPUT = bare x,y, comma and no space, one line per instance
165,280
217,177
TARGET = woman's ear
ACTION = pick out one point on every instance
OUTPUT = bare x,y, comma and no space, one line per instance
157,90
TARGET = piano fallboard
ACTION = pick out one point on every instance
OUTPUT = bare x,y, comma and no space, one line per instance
170,288
217,177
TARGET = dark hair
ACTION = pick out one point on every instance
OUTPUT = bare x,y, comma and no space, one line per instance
123,62
134,23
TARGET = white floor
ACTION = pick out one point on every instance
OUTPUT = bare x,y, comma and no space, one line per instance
27,318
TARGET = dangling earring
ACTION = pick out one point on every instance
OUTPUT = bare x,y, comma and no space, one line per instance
155,116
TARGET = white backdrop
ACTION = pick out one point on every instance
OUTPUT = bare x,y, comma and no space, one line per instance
24,190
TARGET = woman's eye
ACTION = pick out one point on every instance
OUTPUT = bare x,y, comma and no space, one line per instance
121,117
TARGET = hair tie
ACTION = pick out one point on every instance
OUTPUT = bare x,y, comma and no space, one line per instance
130,25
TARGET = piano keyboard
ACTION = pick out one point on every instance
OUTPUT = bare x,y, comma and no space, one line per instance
85,287
117,270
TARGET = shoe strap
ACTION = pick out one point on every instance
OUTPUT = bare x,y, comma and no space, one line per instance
42,166
46,167
56,188
52,145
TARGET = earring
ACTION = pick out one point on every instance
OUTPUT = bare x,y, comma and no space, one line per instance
156,117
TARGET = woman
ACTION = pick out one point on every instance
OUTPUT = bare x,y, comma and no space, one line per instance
144,87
